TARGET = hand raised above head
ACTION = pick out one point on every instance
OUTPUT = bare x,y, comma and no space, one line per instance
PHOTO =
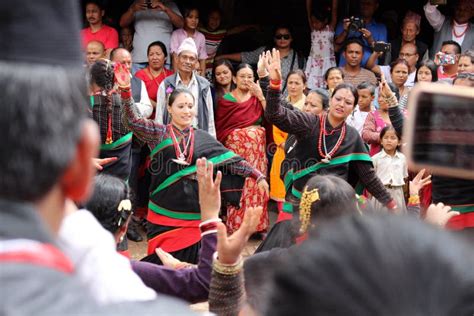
122,75
274,65
230,248
209,189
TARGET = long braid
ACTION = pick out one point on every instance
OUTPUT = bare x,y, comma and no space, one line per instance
102,74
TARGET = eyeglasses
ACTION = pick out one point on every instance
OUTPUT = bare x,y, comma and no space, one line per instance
402,55
282,36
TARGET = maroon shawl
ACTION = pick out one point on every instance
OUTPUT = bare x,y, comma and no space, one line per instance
231,115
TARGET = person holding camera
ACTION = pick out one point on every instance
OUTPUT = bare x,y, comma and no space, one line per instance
447,60
364,28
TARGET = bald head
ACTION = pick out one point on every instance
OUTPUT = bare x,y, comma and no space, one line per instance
409,52
94,51
122,56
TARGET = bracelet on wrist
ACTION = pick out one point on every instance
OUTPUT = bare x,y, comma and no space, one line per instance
414,199
275,82
209,226
227,269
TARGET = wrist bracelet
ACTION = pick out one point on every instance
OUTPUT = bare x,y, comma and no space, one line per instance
125,94
274,87
227,269
275,82
209,226
414,199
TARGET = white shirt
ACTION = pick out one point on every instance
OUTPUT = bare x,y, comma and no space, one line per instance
193,86
107,274
144,106
390,170
357,119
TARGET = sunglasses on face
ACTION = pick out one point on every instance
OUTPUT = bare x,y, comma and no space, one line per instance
282,36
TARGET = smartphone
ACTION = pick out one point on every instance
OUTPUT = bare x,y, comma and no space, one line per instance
148,4
446,59
438,2
382,47
439,130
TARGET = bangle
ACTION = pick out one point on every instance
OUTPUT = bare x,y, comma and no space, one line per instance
227,269
274,87
414,199
209,226
125,93
275,82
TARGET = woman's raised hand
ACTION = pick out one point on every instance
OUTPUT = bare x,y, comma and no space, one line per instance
209,189
230,248
122,75
419,182
384,88
274,65
261,65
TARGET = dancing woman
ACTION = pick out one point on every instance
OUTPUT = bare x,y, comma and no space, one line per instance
326,145
173,211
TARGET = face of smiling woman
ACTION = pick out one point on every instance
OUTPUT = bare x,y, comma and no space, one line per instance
182,111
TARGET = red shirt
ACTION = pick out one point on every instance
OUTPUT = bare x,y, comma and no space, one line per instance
107,35
152,83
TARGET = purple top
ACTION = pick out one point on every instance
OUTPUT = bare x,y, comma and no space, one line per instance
190,284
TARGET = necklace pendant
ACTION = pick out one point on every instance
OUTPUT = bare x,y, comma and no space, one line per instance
180,162
326,159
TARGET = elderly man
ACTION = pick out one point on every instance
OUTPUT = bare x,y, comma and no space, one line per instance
408,52
457,28
410,30
46,159
186,78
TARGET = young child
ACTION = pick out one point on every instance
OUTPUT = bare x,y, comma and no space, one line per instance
191,21
366,92
391,167
321,56
214,34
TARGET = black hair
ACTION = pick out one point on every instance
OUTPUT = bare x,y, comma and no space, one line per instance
465,76
243,66
387,128
323,94
42,113
102,74
321,12
228,64
375,265
298,72
431,66
350,87
352,40
366,85
187,11
176,93
109,191
156,43
336,198
326,74
397,62
283,26
98,3
454,43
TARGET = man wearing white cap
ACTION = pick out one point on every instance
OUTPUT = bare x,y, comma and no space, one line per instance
186,78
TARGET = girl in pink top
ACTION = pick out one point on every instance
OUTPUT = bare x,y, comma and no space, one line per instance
376,121
191,21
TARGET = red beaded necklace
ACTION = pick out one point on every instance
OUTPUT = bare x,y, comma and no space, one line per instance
181,154
327,156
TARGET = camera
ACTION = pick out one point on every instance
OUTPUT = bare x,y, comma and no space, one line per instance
356,24
446,59
382,47
148,4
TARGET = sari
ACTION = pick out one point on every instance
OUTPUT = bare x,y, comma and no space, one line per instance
237,128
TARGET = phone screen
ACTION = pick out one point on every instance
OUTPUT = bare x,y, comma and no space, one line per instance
443,132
